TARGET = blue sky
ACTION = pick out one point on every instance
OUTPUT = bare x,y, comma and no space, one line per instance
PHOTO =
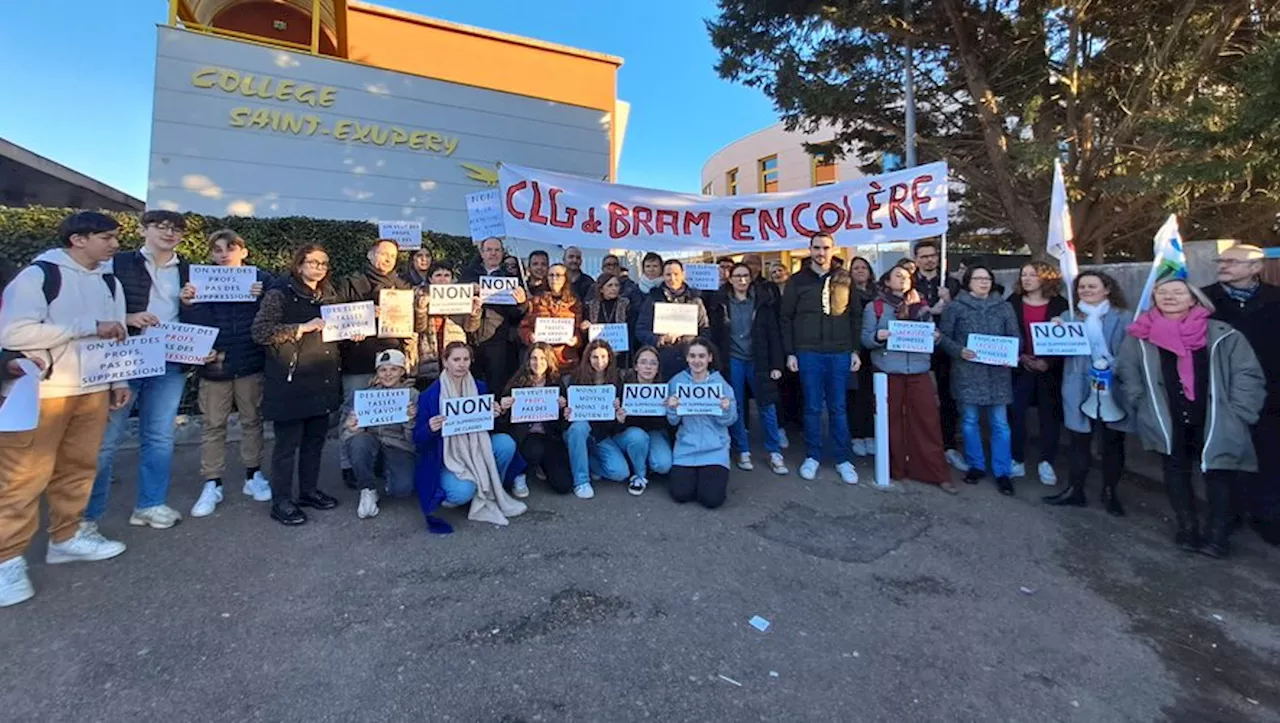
78,79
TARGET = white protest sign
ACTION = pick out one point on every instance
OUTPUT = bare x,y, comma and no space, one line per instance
644,400
103,362
911,336
375,407
994,350
704,277
675,319
617,335
21,410
498,290
395,313
344,321
406,234
451,298
223,283
593,403
535,404
699,399
554,331
484,215
1066,339
186,343
464,415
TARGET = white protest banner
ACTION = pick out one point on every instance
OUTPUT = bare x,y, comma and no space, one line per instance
186,343
617,335
644,400
675,319
395,313
498,290
1065,339
103,362
593,403
344,321
994,350
451,298
699,399
554,331
376,407
704,277
535,404
406,234
567,210
484,215
912,336
464,415
21,410
223,283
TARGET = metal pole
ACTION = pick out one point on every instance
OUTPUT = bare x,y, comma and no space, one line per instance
909,89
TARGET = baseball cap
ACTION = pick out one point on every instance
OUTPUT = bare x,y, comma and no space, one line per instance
392,357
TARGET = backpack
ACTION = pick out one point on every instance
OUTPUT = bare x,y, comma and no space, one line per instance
53,280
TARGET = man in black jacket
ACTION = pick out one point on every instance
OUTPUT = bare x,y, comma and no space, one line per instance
582,284
495,359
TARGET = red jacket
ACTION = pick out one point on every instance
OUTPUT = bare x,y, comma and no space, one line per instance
549,306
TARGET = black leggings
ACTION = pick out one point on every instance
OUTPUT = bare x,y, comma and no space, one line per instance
303,440
1082,455
707,484
549,453
1178,467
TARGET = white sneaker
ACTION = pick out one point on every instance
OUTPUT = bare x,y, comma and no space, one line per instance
870,443
1047,475
258,487
88,545
860,448
210,496
955,459
637,486
777,464
584,491
15,586
848,474
782,439
744,462
809,469
1017,469
160,517
368,504
520,487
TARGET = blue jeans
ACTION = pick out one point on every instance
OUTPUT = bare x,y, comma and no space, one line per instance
157,400
998,418
742,373
459,491
364,450
606,458
660,457
824,379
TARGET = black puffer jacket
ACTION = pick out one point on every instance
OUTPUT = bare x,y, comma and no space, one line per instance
303,376
359,358
821,313
238,354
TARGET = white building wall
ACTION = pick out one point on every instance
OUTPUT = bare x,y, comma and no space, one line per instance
794,164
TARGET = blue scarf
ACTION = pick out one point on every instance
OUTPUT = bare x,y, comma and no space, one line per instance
1242,295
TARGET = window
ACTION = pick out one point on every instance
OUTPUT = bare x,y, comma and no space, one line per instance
731,183
706,190
769,174
823,167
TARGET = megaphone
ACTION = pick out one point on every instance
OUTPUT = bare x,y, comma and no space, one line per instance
1100,405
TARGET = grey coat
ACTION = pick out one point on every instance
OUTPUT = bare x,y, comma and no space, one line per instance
1076,371
1237,390
889,362
973,383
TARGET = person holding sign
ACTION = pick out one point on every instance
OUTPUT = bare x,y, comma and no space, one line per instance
392,442
558,302
495,347
701,455
57,459
915,435
541,443
419,273
603,448
980,388
648,370
303,382
437,331
671,343
1038,379
462,468
608,305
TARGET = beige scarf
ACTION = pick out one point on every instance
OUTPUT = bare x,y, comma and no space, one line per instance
470,457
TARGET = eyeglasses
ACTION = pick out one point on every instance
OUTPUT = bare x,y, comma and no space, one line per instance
556,276
741,277
166,228
1232,262
311,263
980,278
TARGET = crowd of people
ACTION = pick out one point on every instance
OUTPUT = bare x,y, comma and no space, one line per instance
1195,377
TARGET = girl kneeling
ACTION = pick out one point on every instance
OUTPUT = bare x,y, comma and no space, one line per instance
701,455
540,444
603,448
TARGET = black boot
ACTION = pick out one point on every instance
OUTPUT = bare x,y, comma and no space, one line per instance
1112,500
287,513
1072,496
1218,529
1005,485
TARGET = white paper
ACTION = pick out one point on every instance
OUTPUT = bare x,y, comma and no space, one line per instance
644,400
21,410
704,277
554,331
376,407
451,298
675,319
103,362
464,415
699,399
593,403
910,336
186,343
617,335
1065,339
395,313
223,283
498,290
535,404
406,234
344,321
994,350
484,215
